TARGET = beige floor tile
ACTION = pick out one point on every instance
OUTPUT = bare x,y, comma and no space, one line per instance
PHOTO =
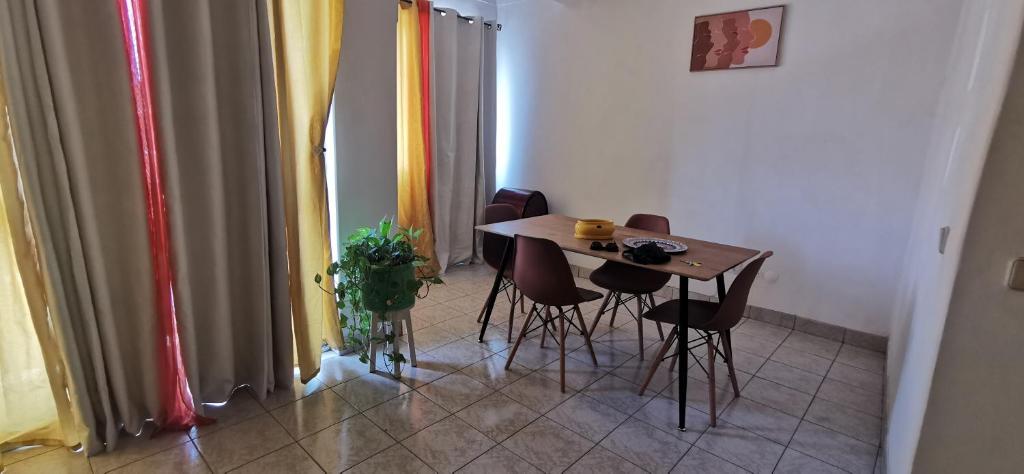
859,378
587,417
548,446
340,369
623,338
699,460
236,445
428,369
747,362
183,459
790,377
283,396
291,459
532,356
313,413
434,314
133,448
619,394
761,419
646,446
240,407
471,303
346,444
537,392
602,461
461,353
697,395
448,445
495,339
455,391
802,360
497,416
862,358
777,396
795,462
491,372
23,453
663,413
834,448
851,397
578,374
848,421
818,346
762,330
407,414
741,447
432,337
462,326
393,460
607,357
372,390
753,345
61,460
499,460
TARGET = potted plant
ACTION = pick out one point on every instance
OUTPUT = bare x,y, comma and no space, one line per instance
378,272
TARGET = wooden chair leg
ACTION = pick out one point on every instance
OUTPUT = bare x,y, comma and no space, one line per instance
657,360
604,304
522,334
640,323
727,345
561,347
711,380
586,334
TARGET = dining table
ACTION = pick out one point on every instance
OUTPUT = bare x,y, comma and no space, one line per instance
702,261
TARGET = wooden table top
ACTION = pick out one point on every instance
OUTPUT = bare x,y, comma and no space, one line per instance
715,259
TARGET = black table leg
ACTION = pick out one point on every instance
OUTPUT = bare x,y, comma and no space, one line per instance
505,256
720,280
681,346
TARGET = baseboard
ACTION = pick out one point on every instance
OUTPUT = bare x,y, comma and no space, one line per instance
790,321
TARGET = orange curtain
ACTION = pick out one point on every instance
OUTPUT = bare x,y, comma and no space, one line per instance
413,191
306,38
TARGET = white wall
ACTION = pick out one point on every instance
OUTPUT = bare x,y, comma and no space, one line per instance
818,159
964,367
488,10
365,120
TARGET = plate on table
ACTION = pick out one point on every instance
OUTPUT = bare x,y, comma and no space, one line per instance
669,246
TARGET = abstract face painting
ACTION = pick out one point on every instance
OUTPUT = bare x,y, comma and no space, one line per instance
733,40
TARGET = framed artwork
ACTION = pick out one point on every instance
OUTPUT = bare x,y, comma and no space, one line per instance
733,40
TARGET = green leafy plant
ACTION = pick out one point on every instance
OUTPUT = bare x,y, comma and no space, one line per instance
369,254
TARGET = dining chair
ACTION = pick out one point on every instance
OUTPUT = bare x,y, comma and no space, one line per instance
543,275
627,283
493,249
709,319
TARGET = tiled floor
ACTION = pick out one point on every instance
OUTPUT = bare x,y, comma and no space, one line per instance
808,405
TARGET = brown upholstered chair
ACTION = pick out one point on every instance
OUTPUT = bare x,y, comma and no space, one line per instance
493,249
543,275
709,319
627,283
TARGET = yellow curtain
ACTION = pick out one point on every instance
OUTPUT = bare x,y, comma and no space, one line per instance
413,203
34,404
306,38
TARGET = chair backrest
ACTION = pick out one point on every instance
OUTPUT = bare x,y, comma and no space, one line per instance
649,222
542,272
494,244
731,310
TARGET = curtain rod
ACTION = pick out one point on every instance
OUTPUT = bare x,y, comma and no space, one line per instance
486,23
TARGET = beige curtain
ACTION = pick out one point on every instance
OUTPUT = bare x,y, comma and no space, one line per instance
34,403
67,81
226,220
306,38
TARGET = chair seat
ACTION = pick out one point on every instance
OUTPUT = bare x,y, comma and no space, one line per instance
701,314
630,279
